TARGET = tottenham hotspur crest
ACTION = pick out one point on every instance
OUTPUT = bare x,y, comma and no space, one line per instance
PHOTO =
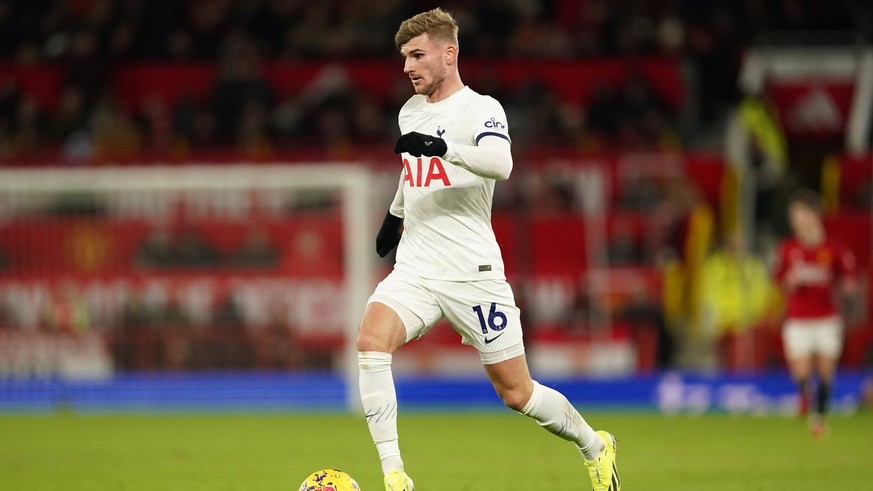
440,132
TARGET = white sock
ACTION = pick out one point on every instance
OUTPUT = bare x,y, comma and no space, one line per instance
555,413
380,406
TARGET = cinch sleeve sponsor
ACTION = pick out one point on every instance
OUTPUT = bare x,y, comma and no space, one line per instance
491,123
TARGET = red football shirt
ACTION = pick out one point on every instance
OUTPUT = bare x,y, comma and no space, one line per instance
818,270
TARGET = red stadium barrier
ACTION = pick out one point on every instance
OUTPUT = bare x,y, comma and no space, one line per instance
135,82
571,80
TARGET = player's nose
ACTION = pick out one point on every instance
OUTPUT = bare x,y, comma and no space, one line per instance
407,66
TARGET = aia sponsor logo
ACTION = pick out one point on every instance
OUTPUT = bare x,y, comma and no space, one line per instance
417,177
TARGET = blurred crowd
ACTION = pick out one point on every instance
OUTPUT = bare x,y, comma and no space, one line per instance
89,38
291,29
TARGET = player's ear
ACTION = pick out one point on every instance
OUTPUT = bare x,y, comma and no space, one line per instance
450,54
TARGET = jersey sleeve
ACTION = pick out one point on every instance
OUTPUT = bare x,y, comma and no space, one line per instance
490,122
396,208
490,156
492,159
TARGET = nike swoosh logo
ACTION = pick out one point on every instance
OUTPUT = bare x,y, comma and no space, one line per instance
427,144
491,340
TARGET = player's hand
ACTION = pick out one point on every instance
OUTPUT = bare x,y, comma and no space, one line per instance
849,287
418,144
389,235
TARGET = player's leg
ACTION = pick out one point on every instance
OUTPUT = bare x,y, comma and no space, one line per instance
393,316
800,368
822,368
551,410
485,314
798,346
825,368
828,347
512,382
381,334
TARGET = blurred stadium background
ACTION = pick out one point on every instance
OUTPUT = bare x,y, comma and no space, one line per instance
175,231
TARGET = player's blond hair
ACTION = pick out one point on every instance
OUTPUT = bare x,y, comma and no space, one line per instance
438,24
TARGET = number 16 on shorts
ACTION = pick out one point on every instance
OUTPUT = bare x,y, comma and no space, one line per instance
495,322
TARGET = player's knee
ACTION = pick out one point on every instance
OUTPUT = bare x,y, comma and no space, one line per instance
382,339
370,341
515,398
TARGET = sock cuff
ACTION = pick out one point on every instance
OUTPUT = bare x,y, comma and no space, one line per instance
534,402
374,360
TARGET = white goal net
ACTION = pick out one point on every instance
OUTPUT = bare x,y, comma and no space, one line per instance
161,268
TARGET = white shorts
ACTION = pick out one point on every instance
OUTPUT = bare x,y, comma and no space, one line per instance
483,312
806,337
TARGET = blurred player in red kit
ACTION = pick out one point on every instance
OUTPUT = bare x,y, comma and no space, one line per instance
810,267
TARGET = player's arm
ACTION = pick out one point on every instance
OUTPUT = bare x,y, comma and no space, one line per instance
847,272
391,230
491,158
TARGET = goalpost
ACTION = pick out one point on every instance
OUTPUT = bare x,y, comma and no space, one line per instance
27,196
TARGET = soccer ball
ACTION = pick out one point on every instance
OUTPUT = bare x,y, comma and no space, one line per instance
329,480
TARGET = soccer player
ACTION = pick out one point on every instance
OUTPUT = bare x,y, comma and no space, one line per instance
454,146
810,266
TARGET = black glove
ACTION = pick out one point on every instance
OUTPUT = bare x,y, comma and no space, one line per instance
419,144
389,235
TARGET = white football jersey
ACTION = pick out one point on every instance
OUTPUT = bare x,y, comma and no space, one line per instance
447,208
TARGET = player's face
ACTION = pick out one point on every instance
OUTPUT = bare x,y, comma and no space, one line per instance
805,222
425,64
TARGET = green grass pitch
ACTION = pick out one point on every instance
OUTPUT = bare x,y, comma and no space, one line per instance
442,451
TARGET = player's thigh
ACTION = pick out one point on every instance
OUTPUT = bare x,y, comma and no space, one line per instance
412,304
485,315
381,329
